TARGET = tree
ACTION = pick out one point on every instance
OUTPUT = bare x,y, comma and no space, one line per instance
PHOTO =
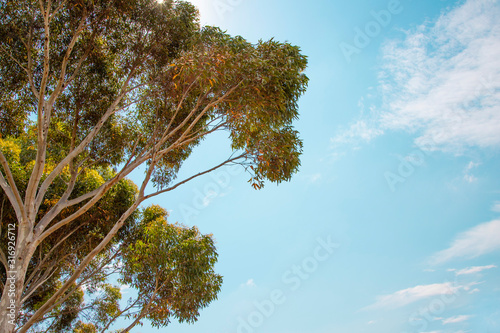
181,261
113,85
63,251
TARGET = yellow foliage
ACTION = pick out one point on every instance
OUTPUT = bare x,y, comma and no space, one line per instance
10,148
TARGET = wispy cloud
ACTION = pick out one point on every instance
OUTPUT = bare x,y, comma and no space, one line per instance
360,131
442,82
475,290
456,319
124,289
249,283
477,241
313,178
473,270
471,166
410,295
468,176
496,207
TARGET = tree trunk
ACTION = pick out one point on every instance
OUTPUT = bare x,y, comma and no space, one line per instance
10,304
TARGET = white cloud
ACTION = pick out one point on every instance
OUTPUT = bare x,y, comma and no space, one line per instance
496,207
472,165
442,82
468,286
249,283
360,131
313,178
456,319
473,270
477,241
333,157
410,295
124,289
468,176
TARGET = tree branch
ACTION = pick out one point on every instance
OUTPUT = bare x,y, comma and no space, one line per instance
202,113
10,188
14,59
55,172
37,172
30,65
79,270
144,310
120,314
61,81
94,196
45,277
82,282
61,5
195,176
42,262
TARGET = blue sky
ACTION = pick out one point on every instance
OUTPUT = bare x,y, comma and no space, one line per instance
393,223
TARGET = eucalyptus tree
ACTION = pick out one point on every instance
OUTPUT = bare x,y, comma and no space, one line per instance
169,265
107,87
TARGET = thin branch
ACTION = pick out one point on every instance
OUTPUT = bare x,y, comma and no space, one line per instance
45,277
30,65
60,205
183,98
42,9
195,176
52,249
203,131
14,59
79,270
10,188
202,113
96,195
120,314
80,284
60,82
57,170
85,279
144,310
183,123
66,311
95,32
61,5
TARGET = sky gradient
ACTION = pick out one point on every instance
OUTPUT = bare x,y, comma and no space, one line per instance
393,222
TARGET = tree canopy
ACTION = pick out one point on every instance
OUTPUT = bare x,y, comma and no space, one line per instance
89,91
